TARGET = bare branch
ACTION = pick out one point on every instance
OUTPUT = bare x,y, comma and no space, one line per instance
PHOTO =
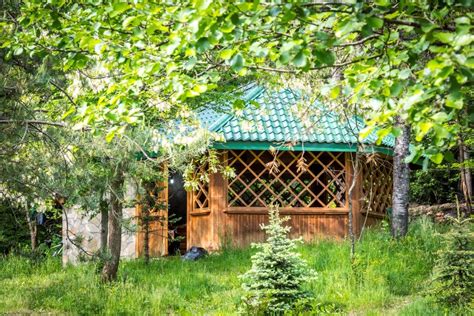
35,122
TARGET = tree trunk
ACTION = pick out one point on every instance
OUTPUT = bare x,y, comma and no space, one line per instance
104,221
350,223
33,229
109,271
401,181
466,179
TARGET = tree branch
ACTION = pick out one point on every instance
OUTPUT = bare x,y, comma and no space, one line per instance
283,70
36,122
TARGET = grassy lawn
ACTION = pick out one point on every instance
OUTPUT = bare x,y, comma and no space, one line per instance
388,278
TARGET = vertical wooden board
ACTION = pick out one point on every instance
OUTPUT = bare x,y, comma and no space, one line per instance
158,230
200,228
217,198
246,227
189,207
140,235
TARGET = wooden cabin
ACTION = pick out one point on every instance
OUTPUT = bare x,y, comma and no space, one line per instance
313,157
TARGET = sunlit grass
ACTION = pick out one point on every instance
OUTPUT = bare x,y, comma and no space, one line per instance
387,277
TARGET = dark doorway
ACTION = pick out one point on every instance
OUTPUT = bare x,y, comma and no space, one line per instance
177,211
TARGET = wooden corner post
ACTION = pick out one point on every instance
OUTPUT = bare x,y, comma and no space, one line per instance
218,201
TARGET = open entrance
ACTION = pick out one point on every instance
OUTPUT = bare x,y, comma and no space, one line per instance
177,211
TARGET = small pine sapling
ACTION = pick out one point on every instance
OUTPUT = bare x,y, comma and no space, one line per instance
453,274
274,283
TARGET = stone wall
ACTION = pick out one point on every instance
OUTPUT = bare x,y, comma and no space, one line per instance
80,229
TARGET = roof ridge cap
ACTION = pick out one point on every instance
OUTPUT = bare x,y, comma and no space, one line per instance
251,95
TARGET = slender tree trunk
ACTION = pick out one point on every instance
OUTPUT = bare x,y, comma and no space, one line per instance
350,223
466,178
32,228
401,181
109,271
104,221
148,206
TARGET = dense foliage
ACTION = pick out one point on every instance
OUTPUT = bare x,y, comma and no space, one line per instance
407,59
453,280
274,284
13,232
434,186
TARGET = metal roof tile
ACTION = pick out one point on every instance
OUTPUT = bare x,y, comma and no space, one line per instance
274,120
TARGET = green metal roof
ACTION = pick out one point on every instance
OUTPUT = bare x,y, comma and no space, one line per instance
270,119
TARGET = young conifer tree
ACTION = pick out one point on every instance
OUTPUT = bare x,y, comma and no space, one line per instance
274,283
453,277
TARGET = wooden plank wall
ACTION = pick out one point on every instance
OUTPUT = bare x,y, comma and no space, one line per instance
158,230
245,228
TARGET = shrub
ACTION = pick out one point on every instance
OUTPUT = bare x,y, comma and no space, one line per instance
274,283
434,186
453,274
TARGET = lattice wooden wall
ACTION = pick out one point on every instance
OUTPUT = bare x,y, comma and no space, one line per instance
321,185
376,185
200,197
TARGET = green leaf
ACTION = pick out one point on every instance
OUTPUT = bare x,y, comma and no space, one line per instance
284,57
463,20
382,3
444,37
374,22
381,133
437,158
396,89
440,117
463,40
119,8
404,74
131,20
18,51
413,156
455,100
238,104
237,62
226,54
203,44
424,128
68,112
110,135
426,163
365,132
202,4
300,59
325,56
334,92
428,26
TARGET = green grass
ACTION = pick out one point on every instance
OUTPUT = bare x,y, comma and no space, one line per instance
388,278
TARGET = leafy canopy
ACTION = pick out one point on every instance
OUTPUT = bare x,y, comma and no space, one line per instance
412,59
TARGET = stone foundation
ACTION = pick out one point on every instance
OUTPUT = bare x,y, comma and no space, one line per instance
81,235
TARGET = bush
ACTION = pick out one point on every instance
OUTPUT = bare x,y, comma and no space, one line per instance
453,280
435,186
274,283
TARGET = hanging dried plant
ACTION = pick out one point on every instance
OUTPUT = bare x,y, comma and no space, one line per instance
301,165
273,166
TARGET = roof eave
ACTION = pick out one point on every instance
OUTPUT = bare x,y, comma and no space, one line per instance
333,147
